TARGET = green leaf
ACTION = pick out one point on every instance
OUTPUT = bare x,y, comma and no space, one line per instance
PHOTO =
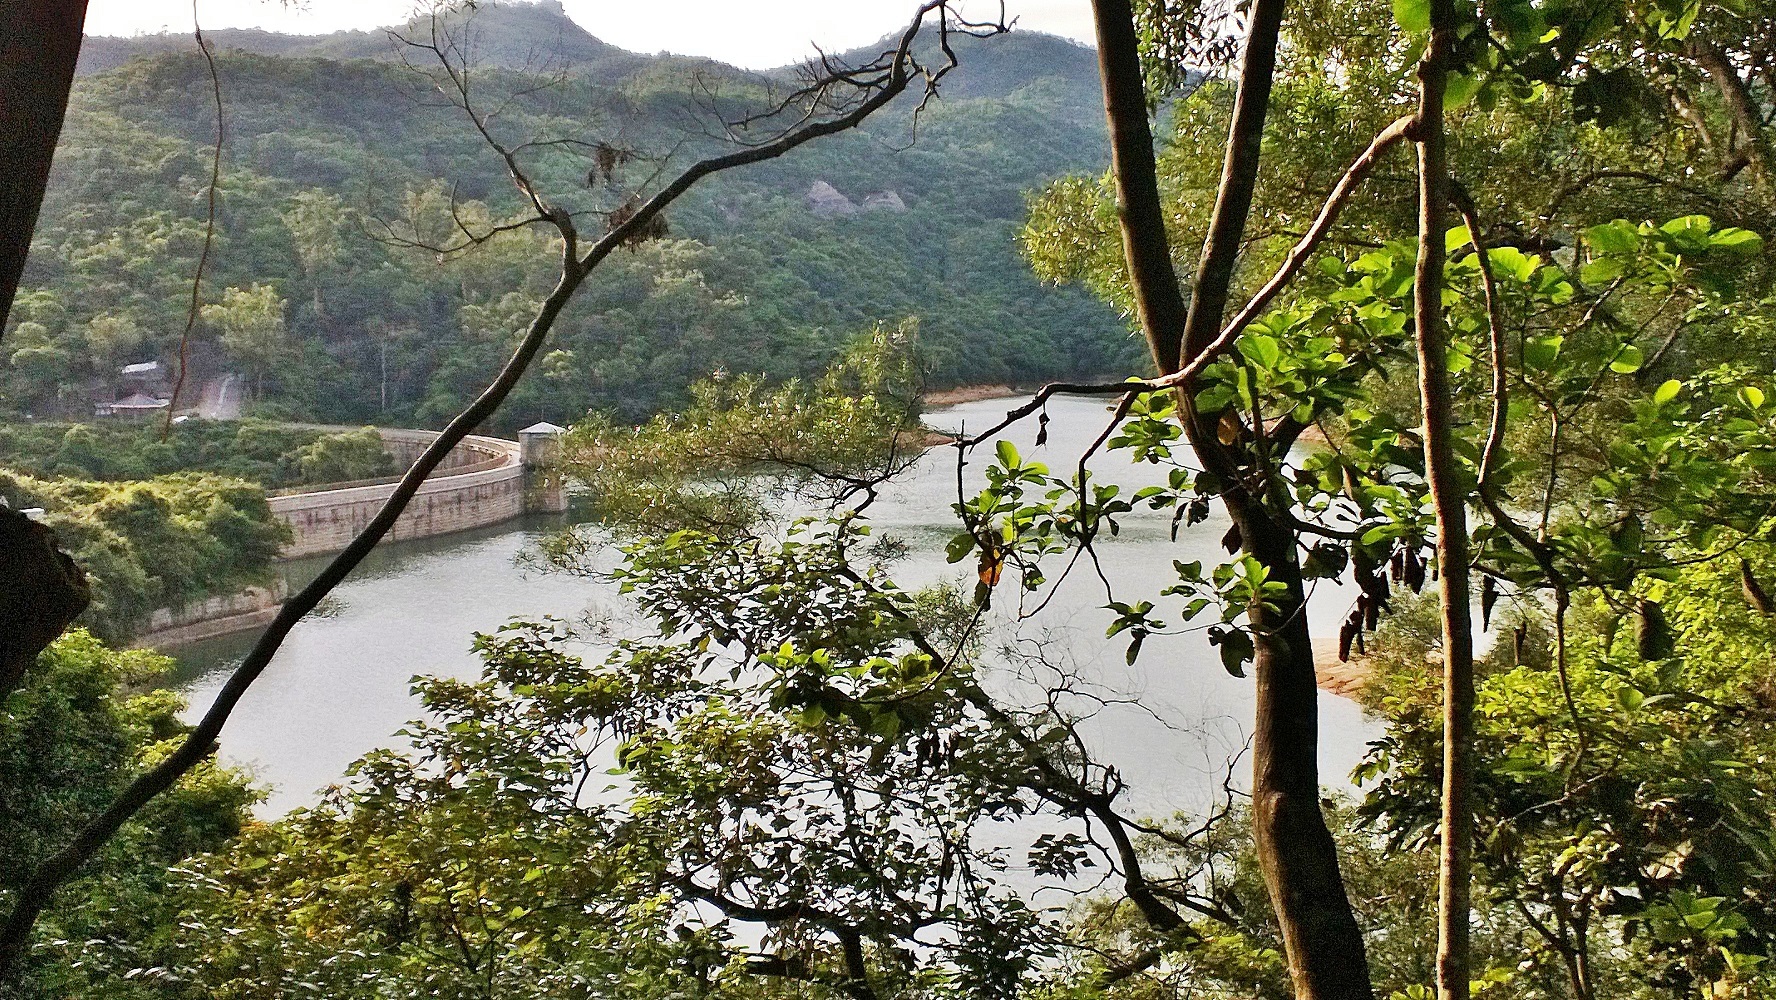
1007,452
1602,271
1613,238
1236,650
1413,16
1457,238
1752,396
1541,352
1260,350
959,547
1461,89
1667,391
1740,242
1628,360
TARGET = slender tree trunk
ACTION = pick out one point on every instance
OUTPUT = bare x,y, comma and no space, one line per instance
1456,857
39,44
1159,304
1321,938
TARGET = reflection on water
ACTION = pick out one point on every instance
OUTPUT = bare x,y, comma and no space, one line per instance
341,683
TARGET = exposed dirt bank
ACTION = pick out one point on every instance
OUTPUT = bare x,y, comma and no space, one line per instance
972,394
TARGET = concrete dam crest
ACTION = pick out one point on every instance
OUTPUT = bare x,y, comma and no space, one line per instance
483,481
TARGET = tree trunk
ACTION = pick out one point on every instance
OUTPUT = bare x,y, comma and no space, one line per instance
41,592
1321,938
1441,472
39,44
1159,305
1745,115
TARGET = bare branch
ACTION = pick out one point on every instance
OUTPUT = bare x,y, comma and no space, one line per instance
203,258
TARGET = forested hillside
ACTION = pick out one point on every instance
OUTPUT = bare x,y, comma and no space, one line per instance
330,141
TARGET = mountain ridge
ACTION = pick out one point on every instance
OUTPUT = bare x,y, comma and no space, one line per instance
324,145
525,36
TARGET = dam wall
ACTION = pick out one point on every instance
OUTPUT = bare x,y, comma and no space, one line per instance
481,482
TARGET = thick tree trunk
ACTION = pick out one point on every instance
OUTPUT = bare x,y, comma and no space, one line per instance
1321,938
41,592
1456,858
39,44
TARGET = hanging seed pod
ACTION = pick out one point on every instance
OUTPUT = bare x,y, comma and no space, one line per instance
1234,540
1372,615
1414,570
1518,641
1352,488
1397,565
1754,592
1489,595
1654,634
1368,572
1346,636
1229,430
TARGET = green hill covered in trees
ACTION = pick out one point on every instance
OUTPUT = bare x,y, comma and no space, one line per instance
330,141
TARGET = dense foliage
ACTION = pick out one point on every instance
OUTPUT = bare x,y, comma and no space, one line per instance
272,455
333,323
155,543
83,724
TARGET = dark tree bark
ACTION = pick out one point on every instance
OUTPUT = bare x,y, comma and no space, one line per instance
1321,939
41,592
1159,305
1441,472
39,44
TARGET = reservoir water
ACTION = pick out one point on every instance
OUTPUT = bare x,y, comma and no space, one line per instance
341,684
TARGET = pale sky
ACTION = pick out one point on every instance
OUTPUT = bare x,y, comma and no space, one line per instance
752,33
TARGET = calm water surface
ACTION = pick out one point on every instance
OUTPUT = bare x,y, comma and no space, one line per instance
341,684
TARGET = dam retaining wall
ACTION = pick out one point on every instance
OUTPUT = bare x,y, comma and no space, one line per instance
480,483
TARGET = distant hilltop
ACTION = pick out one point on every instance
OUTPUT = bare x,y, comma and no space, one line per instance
521,35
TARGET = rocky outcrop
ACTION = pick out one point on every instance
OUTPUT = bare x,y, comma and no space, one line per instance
884,201
828,202
825,201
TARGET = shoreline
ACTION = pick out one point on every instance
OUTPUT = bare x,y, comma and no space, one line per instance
957,395
1342,678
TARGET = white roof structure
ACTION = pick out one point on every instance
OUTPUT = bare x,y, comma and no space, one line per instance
143,369
543,427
